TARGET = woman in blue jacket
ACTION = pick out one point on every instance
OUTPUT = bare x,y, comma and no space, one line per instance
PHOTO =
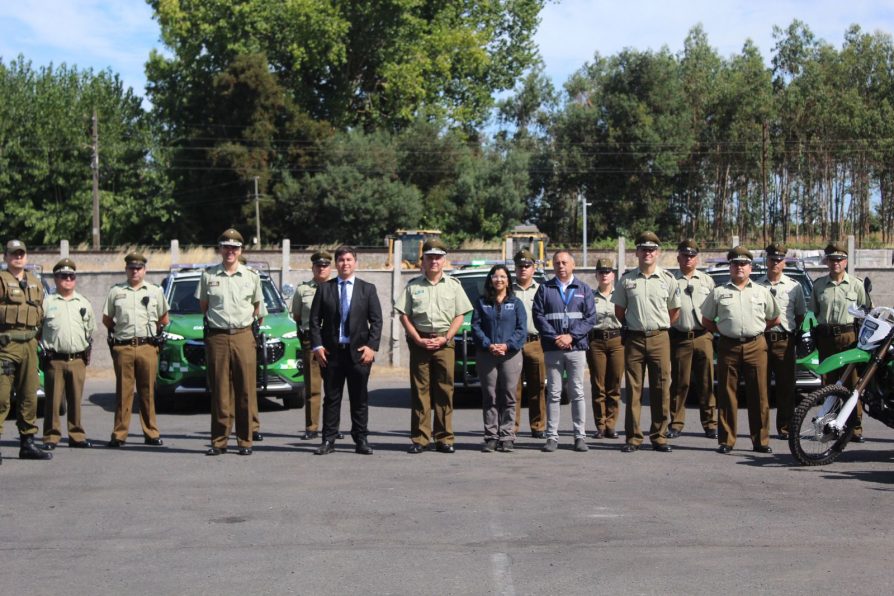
500,327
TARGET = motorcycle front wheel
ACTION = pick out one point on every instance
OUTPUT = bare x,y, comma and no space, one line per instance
811,440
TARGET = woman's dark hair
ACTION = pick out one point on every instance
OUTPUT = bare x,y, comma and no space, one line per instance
490,294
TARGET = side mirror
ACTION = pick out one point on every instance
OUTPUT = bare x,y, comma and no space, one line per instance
288,290
867,285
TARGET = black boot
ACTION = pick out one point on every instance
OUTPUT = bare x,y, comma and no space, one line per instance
28,450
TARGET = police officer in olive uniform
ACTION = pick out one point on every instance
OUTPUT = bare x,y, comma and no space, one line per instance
692,346
781,338
321,262
135,313
21,314
647,301
231,299
741,310
605,356
832,295
66,340
256,435
532,384
432,310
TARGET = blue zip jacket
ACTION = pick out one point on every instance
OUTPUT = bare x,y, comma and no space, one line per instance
554,316
503,324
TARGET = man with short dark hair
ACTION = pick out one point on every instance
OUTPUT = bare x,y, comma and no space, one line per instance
135,313
345,329
66,339
21,314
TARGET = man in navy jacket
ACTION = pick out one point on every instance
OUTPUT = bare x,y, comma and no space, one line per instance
564,312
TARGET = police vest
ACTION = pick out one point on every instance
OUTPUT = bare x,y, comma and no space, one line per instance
21,303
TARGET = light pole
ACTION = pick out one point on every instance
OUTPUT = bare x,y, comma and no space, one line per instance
585,204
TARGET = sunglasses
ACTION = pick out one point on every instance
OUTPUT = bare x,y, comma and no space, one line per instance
66,276
647,248
134,267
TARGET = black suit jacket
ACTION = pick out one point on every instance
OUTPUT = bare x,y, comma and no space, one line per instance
364,320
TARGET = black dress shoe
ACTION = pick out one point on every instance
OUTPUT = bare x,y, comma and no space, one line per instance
216,451
325,448
662,448
363,448
598,435
445,448
48,446
783,436
245,451
711,433
256,436
416,448
673,433
538,434
309,435
115,443
858,439
340,435
611,434
763,449
85,444
724,449
156,441
629,448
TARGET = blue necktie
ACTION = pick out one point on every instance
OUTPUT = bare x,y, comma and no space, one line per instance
344,308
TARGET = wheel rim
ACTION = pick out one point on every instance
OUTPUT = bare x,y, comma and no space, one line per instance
815,437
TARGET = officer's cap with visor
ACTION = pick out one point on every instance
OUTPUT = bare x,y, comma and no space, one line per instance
647,240
836,251
64,266
230,237
688,247
433,246
135,260
775,250
321,258
739,254
523,258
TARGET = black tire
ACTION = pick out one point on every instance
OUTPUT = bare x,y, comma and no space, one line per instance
293,401
808,440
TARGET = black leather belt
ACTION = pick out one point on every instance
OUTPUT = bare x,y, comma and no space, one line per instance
344,346
427,335
605,334
68,357
652,333
136,341
233,331
16,328
532,337
677,334
741,340
774,336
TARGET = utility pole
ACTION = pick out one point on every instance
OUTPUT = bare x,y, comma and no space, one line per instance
95,166
257,215
580,197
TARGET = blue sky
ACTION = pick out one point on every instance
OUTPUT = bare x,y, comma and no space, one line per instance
119,34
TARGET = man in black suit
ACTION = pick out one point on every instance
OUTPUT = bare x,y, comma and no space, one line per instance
345,329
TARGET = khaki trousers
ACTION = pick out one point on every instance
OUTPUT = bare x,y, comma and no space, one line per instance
829,345
135,368
692,366
232,371
431,389
605,358
25,381
781,364
737,360
63,380
643,353
313,381
533,391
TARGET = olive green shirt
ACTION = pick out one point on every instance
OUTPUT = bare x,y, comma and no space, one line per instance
647,300
65,329
432,307
829,301
132,318
740,313
605,311
691,301
231,298
790,298
301,302
527,298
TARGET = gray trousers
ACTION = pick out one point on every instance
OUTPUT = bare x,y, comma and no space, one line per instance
499,383
572,363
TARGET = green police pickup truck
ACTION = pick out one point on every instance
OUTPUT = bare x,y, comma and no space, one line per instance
181,362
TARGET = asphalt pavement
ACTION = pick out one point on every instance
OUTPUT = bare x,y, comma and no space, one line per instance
169,520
